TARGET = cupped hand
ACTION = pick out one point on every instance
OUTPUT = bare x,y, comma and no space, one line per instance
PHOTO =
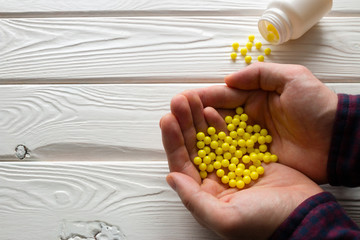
252,213
298,110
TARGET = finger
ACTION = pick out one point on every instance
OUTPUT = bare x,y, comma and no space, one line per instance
201,204
221,96
197,108
226,112
176,152
265,76
181,109
215,120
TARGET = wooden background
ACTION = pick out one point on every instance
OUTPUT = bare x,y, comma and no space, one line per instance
83,85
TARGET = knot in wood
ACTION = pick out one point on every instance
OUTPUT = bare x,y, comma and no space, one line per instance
21,152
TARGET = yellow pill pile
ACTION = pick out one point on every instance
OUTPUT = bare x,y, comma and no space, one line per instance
235,157
247,49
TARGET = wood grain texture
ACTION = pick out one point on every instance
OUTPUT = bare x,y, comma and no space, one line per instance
90,122
52,8
162,49
84,122
57,200
95,152
54,201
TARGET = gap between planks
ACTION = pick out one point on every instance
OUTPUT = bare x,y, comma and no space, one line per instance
153,13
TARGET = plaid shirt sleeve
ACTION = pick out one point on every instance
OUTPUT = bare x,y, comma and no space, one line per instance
344,156
320,216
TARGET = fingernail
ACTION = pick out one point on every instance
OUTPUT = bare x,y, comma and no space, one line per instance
171,182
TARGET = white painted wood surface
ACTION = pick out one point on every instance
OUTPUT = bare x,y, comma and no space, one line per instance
162,49
95,162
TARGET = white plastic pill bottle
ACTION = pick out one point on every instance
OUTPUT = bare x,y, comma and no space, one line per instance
290,19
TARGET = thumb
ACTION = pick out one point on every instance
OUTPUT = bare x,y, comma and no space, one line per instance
201,204
265,76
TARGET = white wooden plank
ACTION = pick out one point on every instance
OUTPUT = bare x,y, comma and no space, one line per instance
162,49
62,201
65,200
90,122
53,8
74,122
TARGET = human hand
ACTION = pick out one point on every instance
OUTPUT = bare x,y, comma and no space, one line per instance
297,109
252,213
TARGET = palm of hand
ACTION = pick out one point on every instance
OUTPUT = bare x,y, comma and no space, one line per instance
263,205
